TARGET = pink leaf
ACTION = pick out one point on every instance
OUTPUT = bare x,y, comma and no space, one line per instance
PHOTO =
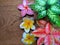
55,32
43,22
57,39
40,41
39,32
47,29
49,40
57,44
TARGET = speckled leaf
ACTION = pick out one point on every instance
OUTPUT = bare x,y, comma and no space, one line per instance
56,9
54,18
41,14
37,7
51,2
41,2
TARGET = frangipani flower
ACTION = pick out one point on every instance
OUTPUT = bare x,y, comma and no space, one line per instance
47,35
25,8
28,38
27,24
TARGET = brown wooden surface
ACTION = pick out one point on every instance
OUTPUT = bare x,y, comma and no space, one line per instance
10,33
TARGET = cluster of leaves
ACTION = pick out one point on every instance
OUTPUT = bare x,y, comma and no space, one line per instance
47,8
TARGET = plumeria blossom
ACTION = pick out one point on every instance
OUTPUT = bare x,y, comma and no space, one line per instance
28,38
25,8
47,35
27,24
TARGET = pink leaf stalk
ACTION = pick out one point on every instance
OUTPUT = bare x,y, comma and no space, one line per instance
25,8
47,35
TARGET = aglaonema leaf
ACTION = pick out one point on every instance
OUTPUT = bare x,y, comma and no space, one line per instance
41,2
51,2
56,8
41,14
54,18
37,7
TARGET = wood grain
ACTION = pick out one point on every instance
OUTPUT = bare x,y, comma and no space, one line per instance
10,33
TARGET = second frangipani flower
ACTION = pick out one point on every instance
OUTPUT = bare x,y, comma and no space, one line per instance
25,8
27,24
47,35
28,38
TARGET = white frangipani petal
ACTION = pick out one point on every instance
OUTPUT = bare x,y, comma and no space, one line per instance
27,30
26,18
33,27
24,35
21,25
32,18
22,40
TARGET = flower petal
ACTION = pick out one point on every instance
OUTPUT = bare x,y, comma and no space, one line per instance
47,29
27,30
23,13
24,35
33,27
21,25
22,40
49,40
39,32
28,38
28,19
25,2
32,18
29,3
40,41
20,6
30,12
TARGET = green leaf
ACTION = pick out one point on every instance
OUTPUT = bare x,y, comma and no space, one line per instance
51,2
56,9
40,2
54,18
59,2
37,7
41,14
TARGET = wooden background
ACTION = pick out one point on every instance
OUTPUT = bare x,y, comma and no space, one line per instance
10,33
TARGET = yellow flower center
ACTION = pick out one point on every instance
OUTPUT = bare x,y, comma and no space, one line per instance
28,23
29,39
